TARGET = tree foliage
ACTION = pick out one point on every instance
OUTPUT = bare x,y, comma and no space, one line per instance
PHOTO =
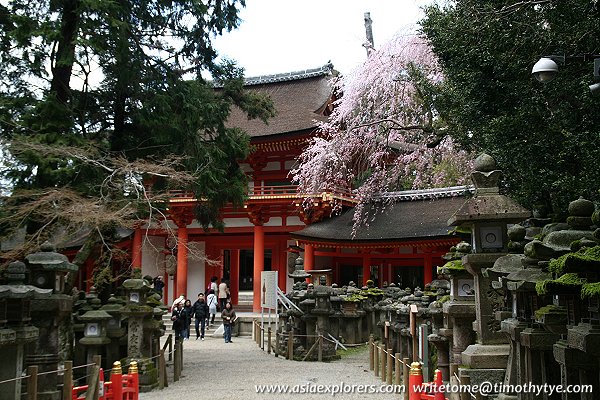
545,137
105,100
385,133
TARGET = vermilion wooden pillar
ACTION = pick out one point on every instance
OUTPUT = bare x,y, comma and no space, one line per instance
136,251
283,260
259,264
366,268
309,257
428,268
182,262
234,276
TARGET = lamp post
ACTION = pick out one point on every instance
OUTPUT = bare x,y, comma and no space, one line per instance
546,69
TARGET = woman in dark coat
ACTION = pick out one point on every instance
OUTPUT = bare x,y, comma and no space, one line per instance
179,319
200,311
189,312
229,318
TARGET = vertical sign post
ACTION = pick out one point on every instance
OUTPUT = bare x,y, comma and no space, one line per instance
268,295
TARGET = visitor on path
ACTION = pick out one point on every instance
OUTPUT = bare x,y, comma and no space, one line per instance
223,294
179,319
188,311
211,300
201,312
212,285
178,300
229,318
159,284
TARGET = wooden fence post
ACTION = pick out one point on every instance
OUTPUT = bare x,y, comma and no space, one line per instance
320,349
383,360
397,369
390,367
376,358
269,341
176,370
32,382
405,374
291,345
371,351
465,380
68,380
161,370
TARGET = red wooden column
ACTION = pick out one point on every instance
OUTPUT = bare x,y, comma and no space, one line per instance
258,216
366,268
234,276
427,267
182,262
309,257
259,264
136,251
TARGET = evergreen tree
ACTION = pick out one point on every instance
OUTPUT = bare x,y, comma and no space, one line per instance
102,100
546,138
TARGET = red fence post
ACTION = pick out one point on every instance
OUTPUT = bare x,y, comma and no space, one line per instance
438,385
116,378
134,379
415,380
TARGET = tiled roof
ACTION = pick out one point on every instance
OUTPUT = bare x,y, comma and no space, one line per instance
407,218
298,97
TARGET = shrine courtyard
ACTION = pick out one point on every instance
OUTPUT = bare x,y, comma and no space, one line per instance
214,369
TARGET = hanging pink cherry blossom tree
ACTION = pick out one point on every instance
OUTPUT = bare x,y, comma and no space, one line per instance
384,133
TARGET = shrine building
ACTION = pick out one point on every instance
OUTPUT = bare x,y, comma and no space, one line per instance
403,245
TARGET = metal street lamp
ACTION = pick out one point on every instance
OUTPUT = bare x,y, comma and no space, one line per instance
546,68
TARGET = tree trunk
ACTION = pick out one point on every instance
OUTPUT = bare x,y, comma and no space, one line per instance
65,54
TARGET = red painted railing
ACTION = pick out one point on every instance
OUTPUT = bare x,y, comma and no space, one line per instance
120,387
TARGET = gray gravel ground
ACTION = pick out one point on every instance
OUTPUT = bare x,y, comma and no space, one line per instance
217,370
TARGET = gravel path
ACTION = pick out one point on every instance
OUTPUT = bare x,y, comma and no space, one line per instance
214,369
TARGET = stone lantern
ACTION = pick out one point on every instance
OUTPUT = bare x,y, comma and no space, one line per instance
16,329
114,329
139,347
488,214
52,316
48,268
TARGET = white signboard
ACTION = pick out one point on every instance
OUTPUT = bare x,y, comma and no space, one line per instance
268,289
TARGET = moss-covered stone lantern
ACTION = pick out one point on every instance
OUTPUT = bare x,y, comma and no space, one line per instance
487,214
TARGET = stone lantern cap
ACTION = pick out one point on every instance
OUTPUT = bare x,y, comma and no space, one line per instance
113,306
16,288
49,260
95,315
488,204
137,284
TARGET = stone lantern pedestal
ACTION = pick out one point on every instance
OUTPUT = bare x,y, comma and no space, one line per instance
139,345
488,214
16,331
52,316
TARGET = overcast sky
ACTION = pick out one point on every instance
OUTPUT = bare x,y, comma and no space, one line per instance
278,36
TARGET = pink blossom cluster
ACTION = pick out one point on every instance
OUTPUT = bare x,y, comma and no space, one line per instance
377,137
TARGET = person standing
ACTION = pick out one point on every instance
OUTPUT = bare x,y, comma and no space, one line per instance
179,319
201,312
211,300
212,285
187,310
159,284
229,318
223,294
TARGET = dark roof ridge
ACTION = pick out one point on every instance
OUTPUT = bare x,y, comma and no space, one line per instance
420,194
289,76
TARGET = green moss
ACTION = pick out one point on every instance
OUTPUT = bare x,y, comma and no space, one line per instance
372,292
566,280
587,257
548,310
590,290
355,298
452,266
444,299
